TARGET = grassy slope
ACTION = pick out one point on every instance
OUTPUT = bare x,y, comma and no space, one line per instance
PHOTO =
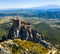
51,34
22,46
4,27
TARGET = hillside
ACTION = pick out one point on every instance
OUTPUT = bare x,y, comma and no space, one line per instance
33,12
18,46
42,27
50,34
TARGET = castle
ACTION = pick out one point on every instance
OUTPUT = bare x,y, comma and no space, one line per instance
22,30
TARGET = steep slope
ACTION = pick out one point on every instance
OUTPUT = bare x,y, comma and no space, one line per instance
18,46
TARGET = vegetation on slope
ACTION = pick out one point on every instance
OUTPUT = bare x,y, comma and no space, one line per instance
4,27
18,46
51,34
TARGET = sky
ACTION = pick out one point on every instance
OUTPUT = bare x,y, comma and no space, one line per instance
4,4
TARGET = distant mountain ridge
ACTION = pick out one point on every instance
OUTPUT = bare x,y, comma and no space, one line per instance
39,7
50,11
36,8
47,7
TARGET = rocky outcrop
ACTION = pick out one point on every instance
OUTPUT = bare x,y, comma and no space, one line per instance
18,46
25,32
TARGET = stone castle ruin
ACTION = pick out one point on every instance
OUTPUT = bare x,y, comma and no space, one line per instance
23,30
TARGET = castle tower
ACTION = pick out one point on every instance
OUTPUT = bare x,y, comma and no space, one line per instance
14,31
16,23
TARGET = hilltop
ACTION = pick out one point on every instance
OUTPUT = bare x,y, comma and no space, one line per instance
18,46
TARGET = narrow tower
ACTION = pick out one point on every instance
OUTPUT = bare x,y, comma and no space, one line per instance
14,31
16,22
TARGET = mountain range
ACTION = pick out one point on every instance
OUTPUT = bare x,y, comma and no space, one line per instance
37,7
47,7
50,11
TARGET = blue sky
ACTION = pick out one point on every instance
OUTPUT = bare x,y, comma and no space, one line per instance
4,4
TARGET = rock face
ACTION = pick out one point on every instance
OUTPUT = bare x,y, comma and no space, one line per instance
18,46
22,30
25,31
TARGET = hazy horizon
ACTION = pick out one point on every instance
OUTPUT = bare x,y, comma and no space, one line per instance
5,4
